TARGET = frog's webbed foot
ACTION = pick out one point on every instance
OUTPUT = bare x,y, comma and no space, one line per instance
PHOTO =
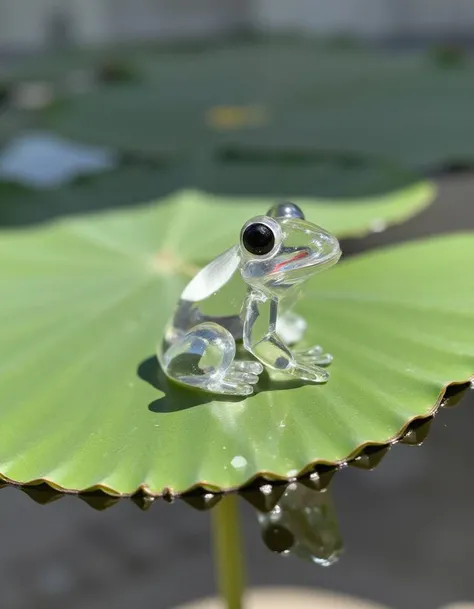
240,378
290,327
314,355
308,364
204,358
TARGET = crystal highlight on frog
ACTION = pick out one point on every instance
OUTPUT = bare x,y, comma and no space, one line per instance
247,294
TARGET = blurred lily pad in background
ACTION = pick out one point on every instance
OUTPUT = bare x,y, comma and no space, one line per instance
21,205
84,405
400,106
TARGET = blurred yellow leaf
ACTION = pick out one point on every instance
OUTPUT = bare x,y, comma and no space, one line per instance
236,117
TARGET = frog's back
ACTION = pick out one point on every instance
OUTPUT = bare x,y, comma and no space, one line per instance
216,293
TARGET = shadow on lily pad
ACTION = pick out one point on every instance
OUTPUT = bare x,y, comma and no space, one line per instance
177,397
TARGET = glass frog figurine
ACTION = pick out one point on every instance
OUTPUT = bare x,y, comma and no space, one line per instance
247,294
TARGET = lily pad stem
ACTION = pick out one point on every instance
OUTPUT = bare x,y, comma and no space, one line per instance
227,551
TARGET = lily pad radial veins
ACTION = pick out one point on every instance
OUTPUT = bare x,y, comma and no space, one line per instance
82,402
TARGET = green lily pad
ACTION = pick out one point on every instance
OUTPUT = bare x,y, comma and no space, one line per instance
84,406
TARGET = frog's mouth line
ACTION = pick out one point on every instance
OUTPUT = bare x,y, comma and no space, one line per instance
298,256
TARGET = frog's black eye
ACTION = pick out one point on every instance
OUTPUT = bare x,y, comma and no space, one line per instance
258,239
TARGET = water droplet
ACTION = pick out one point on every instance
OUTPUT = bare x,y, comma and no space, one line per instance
238,462
266,489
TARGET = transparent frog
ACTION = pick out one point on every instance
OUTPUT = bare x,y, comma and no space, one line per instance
247,294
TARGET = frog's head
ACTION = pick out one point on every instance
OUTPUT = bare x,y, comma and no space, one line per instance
282,249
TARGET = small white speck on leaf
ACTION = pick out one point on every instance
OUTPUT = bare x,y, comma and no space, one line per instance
238,462
378,225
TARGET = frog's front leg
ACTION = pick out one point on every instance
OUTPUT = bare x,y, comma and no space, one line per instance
261,338
204,358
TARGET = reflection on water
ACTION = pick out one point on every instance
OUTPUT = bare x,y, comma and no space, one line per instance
302,521
44,160
304,524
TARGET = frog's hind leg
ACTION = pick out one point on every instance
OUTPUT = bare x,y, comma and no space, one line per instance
204,358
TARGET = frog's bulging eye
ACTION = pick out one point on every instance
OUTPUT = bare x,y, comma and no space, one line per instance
258,239
286,210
